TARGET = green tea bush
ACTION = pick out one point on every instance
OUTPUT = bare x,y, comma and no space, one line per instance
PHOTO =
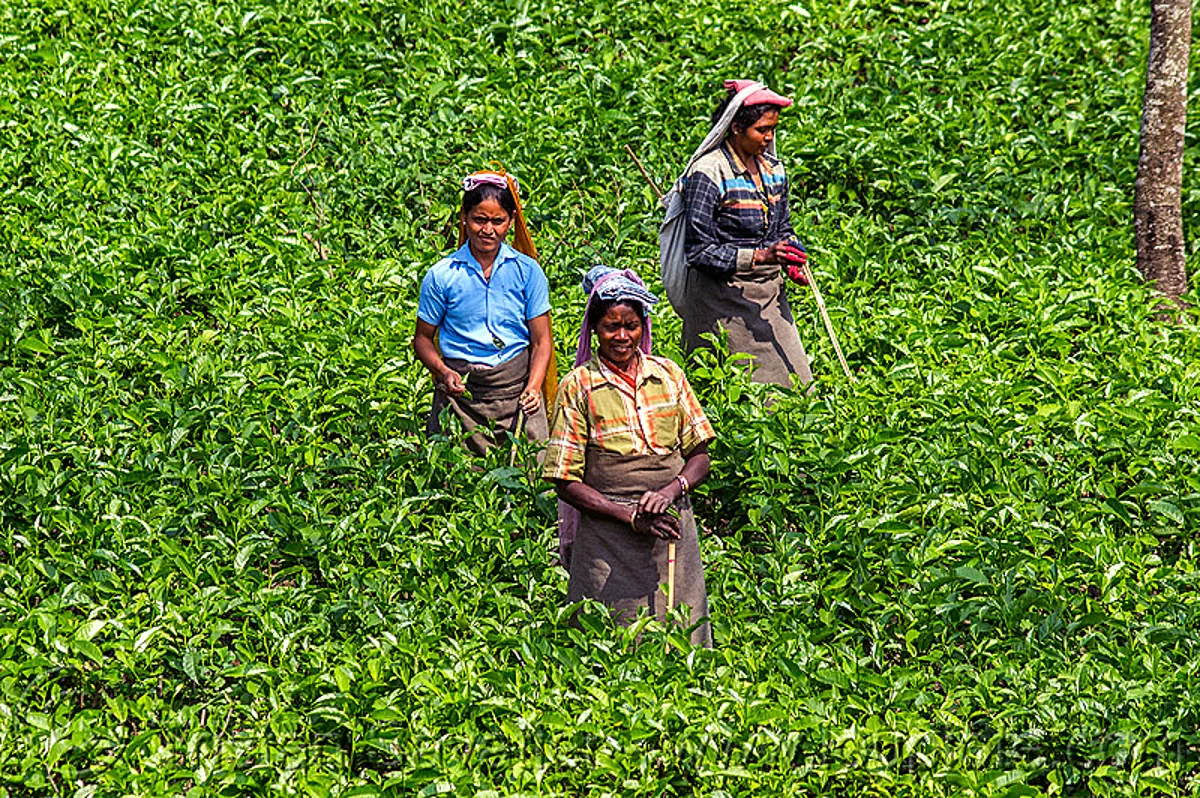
230,562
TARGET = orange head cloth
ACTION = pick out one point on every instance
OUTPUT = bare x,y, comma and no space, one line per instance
523,243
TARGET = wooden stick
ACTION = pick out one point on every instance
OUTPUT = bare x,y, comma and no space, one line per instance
518,429
657,191
828,324
670,576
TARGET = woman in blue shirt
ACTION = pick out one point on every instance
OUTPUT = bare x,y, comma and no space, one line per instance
483,321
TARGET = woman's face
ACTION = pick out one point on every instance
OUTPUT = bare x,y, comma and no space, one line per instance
487,224
619,334
753,140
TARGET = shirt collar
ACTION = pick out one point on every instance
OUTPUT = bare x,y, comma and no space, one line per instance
646,371
463,255
764,164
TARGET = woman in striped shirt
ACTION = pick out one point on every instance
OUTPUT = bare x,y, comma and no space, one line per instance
739,240
628,440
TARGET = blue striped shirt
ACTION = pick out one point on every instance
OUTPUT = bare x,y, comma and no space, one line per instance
729,215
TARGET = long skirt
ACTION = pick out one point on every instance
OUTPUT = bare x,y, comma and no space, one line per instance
626,570
495,393
753,309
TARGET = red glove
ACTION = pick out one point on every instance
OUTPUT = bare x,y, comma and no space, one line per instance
796,274
795,258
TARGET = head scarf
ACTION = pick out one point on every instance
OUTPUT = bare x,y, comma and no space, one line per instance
522,242
760,96
604,284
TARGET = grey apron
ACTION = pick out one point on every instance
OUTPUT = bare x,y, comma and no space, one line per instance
495,392
626,570
752,308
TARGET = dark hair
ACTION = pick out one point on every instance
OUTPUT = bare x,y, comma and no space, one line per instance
600,307
746,116
487,191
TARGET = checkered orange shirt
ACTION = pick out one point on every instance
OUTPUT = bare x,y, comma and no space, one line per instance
595,407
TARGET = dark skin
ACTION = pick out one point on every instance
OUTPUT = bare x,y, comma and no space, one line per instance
751,142
618,335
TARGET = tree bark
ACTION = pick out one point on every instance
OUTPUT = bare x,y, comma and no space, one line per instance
1157,213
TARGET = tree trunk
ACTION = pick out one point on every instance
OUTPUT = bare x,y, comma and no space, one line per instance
1157,215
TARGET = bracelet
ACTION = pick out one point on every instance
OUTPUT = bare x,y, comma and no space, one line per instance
684,486
633,520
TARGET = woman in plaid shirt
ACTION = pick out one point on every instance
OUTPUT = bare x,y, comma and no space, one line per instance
739,239
628,440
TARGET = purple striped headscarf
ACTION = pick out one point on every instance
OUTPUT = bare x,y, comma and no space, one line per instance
604,284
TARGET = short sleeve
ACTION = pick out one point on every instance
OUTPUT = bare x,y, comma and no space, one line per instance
431,306
694,426
566,448
537,293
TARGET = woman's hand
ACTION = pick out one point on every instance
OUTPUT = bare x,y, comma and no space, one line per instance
452,383
772,255
796,274
782,253
662,525
531,400
794,260
654,501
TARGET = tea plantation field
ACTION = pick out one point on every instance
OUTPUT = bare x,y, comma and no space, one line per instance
230,564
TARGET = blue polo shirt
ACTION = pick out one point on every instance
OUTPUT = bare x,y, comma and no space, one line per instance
478,320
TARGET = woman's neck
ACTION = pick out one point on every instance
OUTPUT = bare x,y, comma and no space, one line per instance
629,366
485,261
749,161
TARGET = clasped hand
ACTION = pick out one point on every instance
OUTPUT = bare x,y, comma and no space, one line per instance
452,383
531,400
653,516
788,255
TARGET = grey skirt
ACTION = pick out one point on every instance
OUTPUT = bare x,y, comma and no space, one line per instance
626,570
495,393
752,308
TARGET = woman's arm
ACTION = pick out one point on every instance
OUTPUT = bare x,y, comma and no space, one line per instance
588,499
695,470
427,352
540,352
703,250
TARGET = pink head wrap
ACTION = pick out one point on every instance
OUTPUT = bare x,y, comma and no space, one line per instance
763,95
498,179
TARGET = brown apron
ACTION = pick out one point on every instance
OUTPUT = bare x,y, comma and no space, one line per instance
495,392
626,570
752,308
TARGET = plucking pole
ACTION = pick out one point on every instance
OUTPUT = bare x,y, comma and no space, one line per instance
657,191
670,576
518,430
828,324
